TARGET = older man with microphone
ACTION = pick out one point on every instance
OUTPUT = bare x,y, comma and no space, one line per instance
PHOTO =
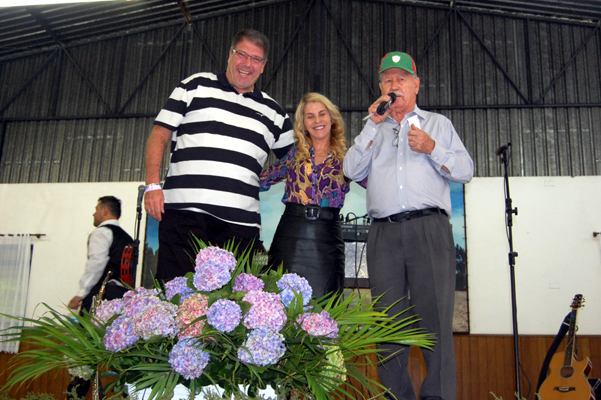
409,156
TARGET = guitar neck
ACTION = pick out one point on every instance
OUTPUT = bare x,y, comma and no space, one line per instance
569,353
571,339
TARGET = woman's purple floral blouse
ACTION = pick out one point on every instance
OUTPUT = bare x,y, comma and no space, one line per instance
306,183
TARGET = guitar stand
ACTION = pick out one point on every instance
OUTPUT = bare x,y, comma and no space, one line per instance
563,329
596,386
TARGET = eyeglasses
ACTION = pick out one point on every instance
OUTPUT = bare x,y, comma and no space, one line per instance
243,56
395,140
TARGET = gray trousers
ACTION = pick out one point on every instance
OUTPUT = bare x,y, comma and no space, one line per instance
417,256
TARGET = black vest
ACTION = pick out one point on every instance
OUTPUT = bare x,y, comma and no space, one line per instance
120,240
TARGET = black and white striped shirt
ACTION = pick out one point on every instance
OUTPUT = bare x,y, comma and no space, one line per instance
221,140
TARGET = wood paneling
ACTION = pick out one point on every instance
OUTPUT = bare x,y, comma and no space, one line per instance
54,382
485,365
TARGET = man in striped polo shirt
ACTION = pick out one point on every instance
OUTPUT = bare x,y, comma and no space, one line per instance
221,129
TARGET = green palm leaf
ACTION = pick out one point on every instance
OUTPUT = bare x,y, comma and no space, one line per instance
69,340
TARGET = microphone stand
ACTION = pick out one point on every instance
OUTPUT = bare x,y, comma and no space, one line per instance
509,211
136,244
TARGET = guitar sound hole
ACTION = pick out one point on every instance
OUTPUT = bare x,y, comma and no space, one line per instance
566,371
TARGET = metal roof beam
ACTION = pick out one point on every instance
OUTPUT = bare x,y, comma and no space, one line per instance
568,63
431,42
152,68
350,51
197,32
492,56
35,14
29,81
287,48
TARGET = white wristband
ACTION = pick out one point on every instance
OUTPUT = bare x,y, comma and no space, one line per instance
153,186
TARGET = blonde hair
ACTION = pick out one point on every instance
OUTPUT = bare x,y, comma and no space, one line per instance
337,137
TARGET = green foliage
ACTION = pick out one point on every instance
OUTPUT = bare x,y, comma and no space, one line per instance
35,396
212,394
38,396
4,395
311,367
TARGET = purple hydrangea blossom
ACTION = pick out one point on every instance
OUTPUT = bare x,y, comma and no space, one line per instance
267,311
211,275
224,315
192,308
319,324
247,282
288,282
187,358
179,286
218,255
107,309
120,335
140,291
262,347
136,301
158,320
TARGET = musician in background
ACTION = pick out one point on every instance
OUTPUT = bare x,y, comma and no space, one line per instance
105,250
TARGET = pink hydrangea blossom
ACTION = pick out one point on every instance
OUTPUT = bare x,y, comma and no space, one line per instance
192,308
247,282
216,254
156,320
267,311
319,324
108,309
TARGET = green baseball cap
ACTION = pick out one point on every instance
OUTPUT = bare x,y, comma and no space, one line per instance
396,59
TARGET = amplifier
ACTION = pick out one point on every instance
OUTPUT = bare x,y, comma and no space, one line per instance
354,233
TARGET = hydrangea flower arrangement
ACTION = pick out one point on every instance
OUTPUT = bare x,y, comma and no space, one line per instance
228,323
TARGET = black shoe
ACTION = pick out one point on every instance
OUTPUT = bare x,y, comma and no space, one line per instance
80,387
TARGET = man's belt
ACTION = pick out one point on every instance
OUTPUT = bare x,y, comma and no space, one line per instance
312,212
407,215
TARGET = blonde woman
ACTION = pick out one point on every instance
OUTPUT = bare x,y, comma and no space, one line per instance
308,239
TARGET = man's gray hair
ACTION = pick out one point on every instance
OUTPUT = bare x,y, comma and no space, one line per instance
413,76
255,37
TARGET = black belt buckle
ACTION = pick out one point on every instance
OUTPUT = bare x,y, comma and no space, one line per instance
312,213
406,216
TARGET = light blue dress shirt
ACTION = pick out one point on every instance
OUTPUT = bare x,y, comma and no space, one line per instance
400,179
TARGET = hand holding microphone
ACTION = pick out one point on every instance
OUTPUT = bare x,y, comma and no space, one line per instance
384,105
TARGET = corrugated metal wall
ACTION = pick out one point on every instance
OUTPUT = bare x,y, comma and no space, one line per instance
83,113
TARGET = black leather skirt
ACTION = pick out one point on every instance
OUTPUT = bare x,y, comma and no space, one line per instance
308,240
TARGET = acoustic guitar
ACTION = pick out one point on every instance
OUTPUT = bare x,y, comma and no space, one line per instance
568,377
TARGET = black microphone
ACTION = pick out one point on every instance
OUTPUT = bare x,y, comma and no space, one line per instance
385,104
502,148
141,189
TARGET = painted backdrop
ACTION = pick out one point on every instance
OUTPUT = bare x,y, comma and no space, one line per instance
354,209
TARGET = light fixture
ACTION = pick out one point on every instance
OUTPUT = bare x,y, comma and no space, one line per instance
23,3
